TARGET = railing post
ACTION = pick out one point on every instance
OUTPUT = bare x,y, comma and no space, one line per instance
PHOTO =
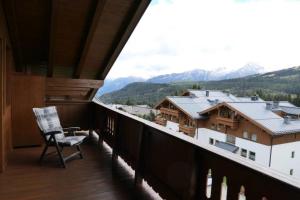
116,132
138,176
193,184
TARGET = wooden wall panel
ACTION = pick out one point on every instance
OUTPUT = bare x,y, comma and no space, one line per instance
73,113
27,92
2,137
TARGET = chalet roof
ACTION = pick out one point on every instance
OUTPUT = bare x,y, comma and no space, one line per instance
198,101
290,110
190,106
262,117
214,94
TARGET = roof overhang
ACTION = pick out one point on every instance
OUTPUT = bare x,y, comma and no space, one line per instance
70,39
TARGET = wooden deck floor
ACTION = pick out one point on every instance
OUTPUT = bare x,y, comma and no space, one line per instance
90,178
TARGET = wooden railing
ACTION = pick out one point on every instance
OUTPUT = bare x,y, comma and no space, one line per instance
179,167
168,111
187,129
161,121
233,123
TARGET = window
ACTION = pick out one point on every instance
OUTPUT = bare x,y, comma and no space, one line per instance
245,135
291,171
230,139
253,137
293,154
244,153
252,155
218,127
211,141
213,126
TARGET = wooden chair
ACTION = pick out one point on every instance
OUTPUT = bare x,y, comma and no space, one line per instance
54,135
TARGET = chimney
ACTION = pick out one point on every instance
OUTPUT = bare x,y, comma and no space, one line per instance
268,106
287,119
207,93
275,104
254,98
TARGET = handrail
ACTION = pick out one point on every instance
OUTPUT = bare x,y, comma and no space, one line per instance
199,157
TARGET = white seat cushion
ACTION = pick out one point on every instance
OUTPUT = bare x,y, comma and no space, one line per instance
71,140
48,121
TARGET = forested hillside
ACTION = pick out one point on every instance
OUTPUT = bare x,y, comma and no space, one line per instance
278,85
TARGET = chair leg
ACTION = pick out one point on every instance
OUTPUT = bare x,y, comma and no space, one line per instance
43,153
61,158
79,149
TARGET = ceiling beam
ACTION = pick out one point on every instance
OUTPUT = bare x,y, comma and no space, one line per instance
89,38
53,21
129,24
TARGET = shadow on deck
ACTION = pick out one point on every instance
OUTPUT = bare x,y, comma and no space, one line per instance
90,178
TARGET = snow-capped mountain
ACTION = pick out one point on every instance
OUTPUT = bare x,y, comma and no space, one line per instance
194,75
205,75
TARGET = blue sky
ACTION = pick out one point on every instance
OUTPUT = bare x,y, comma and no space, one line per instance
180,35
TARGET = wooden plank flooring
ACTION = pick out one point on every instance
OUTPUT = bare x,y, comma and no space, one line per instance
90,178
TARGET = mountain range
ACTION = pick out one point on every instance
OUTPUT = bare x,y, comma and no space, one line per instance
278,85
194,75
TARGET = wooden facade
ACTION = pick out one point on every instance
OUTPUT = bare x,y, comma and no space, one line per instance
222,119
173,113
241,125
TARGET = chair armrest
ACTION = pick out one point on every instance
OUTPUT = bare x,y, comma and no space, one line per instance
70,129
53,133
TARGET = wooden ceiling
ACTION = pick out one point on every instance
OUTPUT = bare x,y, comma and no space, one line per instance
78,39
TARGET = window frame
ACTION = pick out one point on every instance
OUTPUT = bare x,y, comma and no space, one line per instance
253,135
251,154
245,151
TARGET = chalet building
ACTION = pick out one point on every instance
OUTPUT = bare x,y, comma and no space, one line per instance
265,132
181,113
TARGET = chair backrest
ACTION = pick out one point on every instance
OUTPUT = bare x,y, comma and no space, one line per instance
48,120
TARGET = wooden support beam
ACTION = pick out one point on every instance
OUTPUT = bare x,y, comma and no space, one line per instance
72,88
2,138
11,19
129,24
71,83
54,7
89,39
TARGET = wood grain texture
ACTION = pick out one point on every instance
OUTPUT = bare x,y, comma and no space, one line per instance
73,113
27,92
91,178
71,88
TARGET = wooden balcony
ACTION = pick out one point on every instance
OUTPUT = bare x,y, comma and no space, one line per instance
168,111
90,178
174,165
161,121
232,123
189,130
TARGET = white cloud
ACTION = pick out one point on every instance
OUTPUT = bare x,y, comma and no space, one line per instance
180,35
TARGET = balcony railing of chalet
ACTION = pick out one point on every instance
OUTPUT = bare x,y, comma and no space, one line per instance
233,123
187,129
161,121
169,111
179,167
